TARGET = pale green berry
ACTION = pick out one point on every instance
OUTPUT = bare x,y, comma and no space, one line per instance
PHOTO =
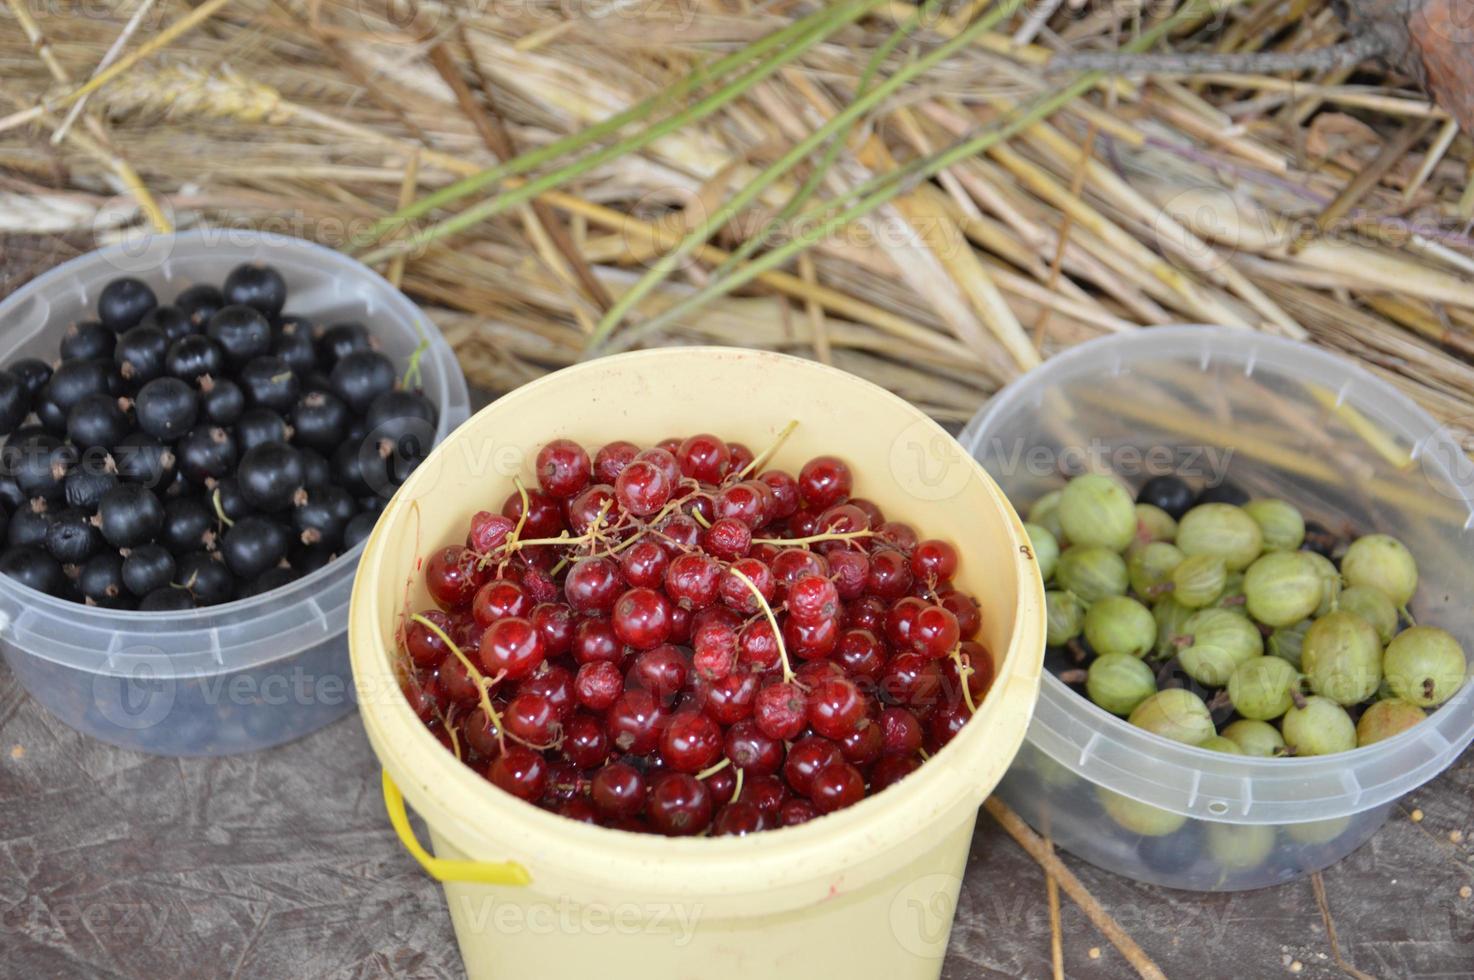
1137,817
1282,587
1382,562
1342,658
1424,665
1045,513
1176,714
1240,847
1064,616
1320,726
1154,524
1373,606
1046,550
1282,526
1218,641
1263,688
1198,580
1222,530
1096,510
1232,596
1119,624
1330,580
1171,617
1091,572
1150,567
1220,744
1384,719
1287,642
1118,682
1318,831
1256,738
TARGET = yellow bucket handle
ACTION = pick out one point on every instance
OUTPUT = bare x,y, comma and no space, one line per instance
476,872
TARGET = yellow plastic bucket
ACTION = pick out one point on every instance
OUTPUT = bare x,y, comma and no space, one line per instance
869,891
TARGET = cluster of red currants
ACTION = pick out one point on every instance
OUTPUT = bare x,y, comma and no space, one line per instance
666,640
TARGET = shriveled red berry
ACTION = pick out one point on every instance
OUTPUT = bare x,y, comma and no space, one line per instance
519,771
512,647
781,710
563,468
488,531
849,570
728,539
757,646
785,493
704,457
597,685
736,593
679,805
824,481
693,581
641,618
714,650
813,599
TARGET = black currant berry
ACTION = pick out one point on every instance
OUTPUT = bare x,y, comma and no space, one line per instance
148,567
86,340
254,544
123,302
294,346
258,426
97,421
206,577
101,581
29,525
191,358
307,559
221,400
271,477
35,568
1168,492
207,451
74,379
269,581
33,372
199,303
258,286
269,383
85,485
241,332
15,402
340,340
72,539
189,524
324,515
53,418
360,377
140,355
39,462
320,420
225,498
140,458
359,528
166,408
316,470
349,469
1223,493
171,321
171,598
129,515
10,492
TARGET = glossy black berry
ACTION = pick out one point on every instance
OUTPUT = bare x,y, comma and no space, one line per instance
320,421
1171,493
349,469
101,581
255,544
39,462
316,470
340,340
271,476
53,417
166,408
129,515
402,425
97,420
10,493
258,426
189,524
373,504
241,332
360,377
199,303
308,558
206,452
221,401
72,538
206,577
140,458
269,581
294,346
258,286
225,498
33,372
73,380
15,402
29,525
324,515
171,321
123,302
191,358
269,383
171,598
33,567
359,528
85,485
148,567
140,355
86,340
1224,493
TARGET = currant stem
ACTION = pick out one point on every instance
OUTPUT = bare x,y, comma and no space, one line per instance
767,454
220,509
526,506
816,538
965,671
481,682
714,769
788,674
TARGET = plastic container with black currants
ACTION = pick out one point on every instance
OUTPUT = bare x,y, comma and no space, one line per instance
198,440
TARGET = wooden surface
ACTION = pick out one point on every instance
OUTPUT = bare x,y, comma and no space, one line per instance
282,864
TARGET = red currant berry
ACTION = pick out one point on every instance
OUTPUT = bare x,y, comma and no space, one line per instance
611,460
693,581
873,516
661,671
736,594
643,564
811,641
641,619
555,622
521,772
824,481
580,810
452,577
803,523
728,539
812,600
730,699
901,732
681,534
980,678
691,742
738,820
594,503
634,722
944,724
791,564
890,574
934,632
512,647
785,493
563,468
849,570
934,561
538,584
424,646
842,519
900,620
642,489
499,599
704,457
554,683
965,608
597,685
795,811
679,805
714,650
911,680
544,515
860,653
593,585
767,793
836,708
456,681
804,761
482,734
722,785
531,718
741,502
585,742
741,456
488,532
866,613
664,457
594,642
680,625
757,646
898,535
781,711
863,745
618,790
751,751
891,769
836,786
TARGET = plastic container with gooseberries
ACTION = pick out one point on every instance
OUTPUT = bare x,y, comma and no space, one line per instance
243,675
1280,419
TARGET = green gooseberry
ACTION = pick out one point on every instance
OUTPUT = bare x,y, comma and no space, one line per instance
1220,744
1118,682
1137,817
1382,562
1330,580
1045,513
1373,606
1198,580
1281,524
1219,640
1342,658
1232,596
1091,572
1319,726
1177,714
1150,567
1171,617
1287,642
1424,665
1282,587
1384,719
1256,738
1046,549
1064,616
1222,530
1095,510
1263,688
1239,847
1120,624
1318,831
1154,524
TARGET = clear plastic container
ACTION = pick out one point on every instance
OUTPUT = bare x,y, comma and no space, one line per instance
1280,419
243,675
